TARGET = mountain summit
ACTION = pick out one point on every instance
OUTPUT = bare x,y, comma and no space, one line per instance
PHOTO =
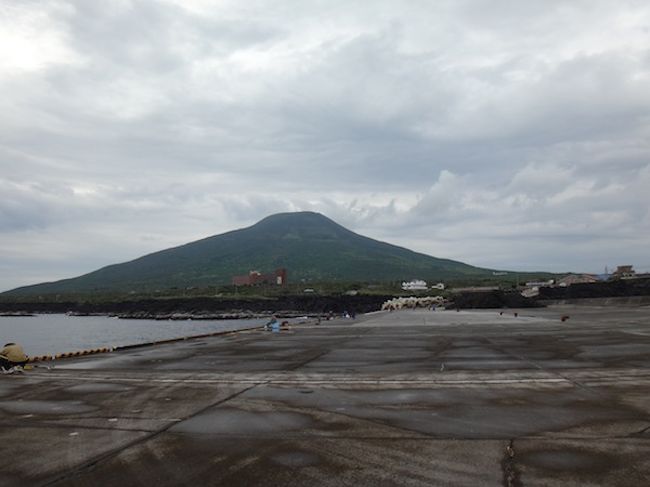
309,245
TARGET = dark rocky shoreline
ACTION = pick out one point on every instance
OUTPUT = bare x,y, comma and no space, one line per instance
609,289
205,308
492,300
290,306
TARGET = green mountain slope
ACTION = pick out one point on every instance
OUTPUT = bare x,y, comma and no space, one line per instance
309,245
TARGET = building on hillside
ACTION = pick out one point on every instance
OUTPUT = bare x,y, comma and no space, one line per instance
531,288
253,278
623,272
439,286
414,285
577,279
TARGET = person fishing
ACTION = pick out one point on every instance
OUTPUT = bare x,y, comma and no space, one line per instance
12,358
272,324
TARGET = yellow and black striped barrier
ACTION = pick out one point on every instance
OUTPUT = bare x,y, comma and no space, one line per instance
78,353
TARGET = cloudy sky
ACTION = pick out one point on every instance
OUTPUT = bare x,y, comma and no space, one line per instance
506,134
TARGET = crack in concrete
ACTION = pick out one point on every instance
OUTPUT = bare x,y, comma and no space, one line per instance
327,350
79,469
311,359
499,348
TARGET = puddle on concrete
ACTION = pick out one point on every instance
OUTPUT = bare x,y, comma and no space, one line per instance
570,460
569,364
45,407
487,364
87,363
471,413
227,421
6,389
623,350
295,459
332,398
98,387
477,353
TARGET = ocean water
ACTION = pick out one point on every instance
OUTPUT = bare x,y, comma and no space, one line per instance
56,333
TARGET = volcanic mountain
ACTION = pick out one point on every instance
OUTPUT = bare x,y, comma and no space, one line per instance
309,245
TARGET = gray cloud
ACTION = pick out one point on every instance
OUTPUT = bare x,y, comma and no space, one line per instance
505,134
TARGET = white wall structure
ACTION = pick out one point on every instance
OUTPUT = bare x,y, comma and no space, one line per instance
414,285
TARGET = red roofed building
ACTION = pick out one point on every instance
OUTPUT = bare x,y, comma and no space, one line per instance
277,277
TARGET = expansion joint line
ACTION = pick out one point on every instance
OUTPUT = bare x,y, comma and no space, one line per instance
642,432
310,359
81,468
540,367
325,352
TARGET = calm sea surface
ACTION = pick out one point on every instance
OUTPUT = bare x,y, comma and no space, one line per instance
51,334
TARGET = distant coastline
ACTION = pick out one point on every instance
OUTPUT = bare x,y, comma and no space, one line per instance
202,308
289,306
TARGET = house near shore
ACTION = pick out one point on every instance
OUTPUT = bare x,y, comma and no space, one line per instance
577,279
253,278
532,288
624,272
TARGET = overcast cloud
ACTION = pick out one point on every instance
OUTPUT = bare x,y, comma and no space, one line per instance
505,134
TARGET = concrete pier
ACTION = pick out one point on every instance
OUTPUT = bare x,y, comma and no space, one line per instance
414,398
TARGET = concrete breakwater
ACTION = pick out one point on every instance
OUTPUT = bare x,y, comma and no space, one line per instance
412,397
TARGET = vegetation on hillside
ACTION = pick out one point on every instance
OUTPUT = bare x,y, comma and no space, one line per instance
318,253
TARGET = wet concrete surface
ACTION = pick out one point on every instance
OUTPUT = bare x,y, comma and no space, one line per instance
405,398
